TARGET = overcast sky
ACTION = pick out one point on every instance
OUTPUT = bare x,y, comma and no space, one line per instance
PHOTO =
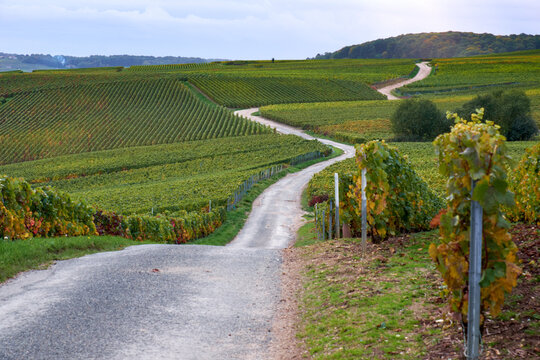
242,29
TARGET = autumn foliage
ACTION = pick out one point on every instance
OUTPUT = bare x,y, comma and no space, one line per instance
40,212
525,183
398,199
475,151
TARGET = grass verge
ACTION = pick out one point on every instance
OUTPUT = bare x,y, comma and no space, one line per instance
236,218
39,253
387,304
372,306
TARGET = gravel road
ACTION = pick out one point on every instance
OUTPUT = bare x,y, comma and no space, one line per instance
145,302
162,301
276,214
423,73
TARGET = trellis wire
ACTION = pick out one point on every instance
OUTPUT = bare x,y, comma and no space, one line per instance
242,190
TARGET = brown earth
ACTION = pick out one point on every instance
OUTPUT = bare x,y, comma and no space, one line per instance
513,335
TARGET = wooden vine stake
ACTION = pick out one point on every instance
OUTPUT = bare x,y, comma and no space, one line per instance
364,212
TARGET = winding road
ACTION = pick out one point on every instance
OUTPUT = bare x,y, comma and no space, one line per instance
163,301
423,72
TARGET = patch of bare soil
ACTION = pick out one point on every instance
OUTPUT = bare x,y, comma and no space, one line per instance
285,345
516,333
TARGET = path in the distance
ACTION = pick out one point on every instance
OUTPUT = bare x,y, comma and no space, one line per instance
423,73
277,214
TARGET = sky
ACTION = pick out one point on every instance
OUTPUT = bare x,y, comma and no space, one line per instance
242,29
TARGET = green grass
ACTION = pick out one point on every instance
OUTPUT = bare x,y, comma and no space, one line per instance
366,308
307,234
38,253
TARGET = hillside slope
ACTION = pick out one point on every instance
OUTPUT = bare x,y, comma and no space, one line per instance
436,45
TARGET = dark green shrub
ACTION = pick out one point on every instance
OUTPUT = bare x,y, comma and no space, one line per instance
418,120
511,110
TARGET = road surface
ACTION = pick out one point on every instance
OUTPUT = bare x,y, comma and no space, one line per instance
423,73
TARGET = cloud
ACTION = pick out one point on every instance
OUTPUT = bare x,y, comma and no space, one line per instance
242,28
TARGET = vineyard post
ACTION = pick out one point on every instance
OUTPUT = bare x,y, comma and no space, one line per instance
210,205
330,221
336,181
323,223
364,211
316,223
475,270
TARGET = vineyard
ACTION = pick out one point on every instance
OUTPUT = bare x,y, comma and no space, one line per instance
49,123
163,177
349,121
466,75
423,161
238,92
365,70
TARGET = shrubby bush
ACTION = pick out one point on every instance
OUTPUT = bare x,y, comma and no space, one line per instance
511,110
40,212
418,120
399,200
525,184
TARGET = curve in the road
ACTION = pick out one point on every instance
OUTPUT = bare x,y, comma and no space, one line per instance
423,73
277,214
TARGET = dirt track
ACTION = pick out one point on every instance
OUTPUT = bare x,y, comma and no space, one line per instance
276,214
424,72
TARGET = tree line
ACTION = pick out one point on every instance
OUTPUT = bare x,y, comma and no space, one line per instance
436,45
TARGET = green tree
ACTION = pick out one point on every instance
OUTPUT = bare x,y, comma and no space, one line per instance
511,110
418,120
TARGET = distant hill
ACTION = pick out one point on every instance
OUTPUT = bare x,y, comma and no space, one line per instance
10,62
435,45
